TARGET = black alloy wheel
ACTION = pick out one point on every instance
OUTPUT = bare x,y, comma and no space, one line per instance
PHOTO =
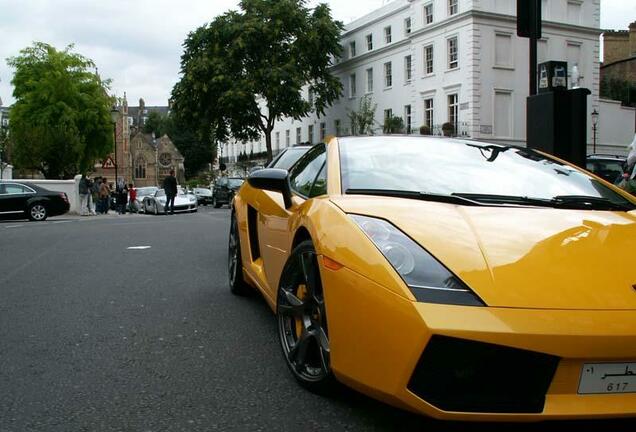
238,286
302,321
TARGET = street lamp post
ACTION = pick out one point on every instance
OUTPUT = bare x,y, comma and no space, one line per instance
114,115
594,126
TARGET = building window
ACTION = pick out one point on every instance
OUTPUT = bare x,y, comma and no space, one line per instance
387,35
370,80
407,26
352,85
574,58
407,68
336,125
503,114
428,13
310,98
277,140
287,139
299,133
428,60
352,49
503,50
452,7
428,113
453,111
369,42
310,134
140,168
323,131
165,159
388,75
453,62
407,118
574,12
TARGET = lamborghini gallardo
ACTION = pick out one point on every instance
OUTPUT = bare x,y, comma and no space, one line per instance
453,278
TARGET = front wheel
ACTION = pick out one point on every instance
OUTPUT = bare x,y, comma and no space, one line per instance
238,286
302,321
37,212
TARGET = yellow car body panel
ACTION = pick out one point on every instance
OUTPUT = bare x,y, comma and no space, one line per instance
558,282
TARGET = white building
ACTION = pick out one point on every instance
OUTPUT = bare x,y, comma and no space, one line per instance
458,61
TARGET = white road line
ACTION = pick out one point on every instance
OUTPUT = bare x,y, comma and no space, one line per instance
138,247
61,222
13,226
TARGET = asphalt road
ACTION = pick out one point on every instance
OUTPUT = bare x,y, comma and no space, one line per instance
98,337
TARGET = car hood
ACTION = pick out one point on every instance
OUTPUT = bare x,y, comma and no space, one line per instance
522,257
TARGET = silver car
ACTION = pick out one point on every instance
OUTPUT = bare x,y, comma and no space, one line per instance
141,193
183,202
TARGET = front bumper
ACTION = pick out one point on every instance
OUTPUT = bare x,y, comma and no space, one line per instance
378,338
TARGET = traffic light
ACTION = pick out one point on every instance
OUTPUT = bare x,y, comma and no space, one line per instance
529,18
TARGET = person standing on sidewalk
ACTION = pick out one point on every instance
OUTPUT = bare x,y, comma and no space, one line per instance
104,196
170,188
85,196
132,198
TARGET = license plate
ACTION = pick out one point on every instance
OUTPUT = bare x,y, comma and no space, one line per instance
608,378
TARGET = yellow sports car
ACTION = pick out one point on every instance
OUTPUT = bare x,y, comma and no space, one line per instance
457,279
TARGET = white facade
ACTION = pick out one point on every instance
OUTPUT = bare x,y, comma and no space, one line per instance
467,67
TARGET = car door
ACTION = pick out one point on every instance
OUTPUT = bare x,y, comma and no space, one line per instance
14,197
273,219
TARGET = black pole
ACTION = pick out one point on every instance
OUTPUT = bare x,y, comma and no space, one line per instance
594,142
533,66
115,141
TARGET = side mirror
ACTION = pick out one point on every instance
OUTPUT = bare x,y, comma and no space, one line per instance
272,179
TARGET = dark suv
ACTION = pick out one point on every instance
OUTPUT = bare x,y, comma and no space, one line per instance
224,190
608,167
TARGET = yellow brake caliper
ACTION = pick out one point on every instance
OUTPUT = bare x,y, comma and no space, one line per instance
301,294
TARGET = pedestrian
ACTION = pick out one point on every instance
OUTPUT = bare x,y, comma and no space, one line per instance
95,192
132,198
122,200
170,188
84,193
104,196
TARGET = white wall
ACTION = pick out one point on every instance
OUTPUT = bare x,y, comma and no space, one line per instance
70,187
616,125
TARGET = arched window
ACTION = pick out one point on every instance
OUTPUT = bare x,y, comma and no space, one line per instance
140,168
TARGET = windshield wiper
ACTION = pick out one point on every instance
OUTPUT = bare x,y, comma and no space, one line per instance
506,199
590,202
560,201
422,196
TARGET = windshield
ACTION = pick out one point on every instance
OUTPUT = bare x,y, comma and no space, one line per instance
235,182
445,167
288,158
146,191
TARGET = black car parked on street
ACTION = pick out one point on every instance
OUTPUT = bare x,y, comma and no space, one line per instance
20,200
224,190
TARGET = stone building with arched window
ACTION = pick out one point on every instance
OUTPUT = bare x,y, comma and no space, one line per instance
141,158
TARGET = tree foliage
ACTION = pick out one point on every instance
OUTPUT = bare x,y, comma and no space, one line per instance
60,122
155,123
362,120
393,124
619,89
247,69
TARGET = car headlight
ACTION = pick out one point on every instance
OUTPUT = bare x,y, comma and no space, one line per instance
192,199
426,277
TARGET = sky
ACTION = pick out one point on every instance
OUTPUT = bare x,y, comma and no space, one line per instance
137,43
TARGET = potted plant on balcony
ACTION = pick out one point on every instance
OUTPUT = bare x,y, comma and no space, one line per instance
425,130
448,129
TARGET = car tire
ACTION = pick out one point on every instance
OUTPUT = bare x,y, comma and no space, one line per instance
238,286
37,212
302,321
215,203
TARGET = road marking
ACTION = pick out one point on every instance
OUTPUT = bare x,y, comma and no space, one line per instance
61,222
14,226
138,247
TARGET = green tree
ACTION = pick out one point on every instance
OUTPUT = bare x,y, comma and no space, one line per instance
155,123
248,68
196,152
362,120
619,89
393,124
60,122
